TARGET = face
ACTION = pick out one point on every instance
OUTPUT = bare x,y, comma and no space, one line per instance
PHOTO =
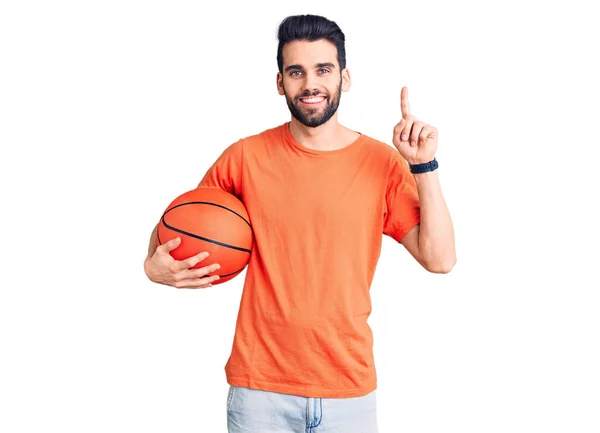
311,81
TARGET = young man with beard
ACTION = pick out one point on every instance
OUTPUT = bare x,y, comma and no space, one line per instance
320,196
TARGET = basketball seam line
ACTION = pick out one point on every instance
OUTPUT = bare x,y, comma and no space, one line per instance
211,204
203,238
220,276
233,273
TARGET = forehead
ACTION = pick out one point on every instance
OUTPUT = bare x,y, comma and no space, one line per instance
309,53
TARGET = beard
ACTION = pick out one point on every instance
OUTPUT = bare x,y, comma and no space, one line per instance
310,117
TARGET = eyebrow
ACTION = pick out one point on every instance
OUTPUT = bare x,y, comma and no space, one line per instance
318,65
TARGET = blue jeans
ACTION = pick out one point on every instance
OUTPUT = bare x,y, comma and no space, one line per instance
256,411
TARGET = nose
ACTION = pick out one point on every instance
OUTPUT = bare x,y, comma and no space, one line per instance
310,82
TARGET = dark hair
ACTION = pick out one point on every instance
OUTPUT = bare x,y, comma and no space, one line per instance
310,28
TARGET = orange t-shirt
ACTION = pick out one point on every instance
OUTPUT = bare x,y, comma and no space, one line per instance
318,219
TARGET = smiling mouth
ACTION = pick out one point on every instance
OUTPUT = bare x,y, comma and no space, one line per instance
312,100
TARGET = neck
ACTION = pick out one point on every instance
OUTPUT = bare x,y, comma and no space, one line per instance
329,136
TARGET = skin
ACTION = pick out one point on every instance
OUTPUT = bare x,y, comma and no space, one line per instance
162,268
431,242
312,69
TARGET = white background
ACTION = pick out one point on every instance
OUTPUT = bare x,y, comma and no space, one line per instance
108,110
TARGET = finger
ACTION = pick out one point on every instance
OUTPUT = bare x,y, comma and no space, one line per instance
416,131
190,262
398,130
169,246
424,135
408,124
196,283
404,105
198,273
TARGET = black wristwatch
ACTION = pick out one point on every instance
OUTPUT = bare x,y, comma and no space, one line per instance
423,168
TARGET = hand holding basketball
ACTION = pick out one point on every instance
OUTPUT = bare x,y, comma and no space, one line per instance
211,220
162,268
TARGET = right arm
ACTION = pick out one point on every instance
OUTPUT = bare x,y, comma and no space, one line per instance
159,265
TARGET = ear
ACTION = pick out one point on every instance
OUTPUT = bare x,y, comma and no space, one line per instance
280,83
346,81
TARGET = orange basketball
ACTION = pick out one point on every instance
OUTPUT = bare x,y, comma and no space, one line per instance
212,220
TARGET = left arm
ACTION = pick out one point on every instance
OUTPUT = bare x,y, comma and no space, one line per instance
431,242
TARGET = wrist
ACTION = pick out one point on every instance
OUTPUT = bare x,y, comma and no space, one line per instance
418,161
423,167
147,270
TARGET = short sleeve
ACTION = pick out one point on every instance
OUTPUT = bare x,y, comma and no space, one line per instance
402,205
226,171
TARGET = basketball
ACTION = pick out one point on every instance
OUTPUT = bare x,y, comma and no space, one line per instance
212,220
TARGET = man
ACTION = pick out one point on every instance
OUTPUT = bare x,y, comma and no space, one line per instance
320,196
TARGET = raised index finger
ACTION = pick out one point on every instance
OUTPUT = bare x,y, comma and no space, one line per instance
404,106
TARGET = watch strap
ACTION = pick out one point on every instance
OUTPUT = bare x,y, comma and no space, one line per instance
423,168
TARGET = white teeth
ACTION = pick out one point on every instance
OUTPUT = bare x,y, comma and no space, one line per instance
311,100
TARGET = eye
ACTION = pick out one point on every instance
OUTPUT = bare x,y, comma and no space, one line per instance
324,71
294,72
